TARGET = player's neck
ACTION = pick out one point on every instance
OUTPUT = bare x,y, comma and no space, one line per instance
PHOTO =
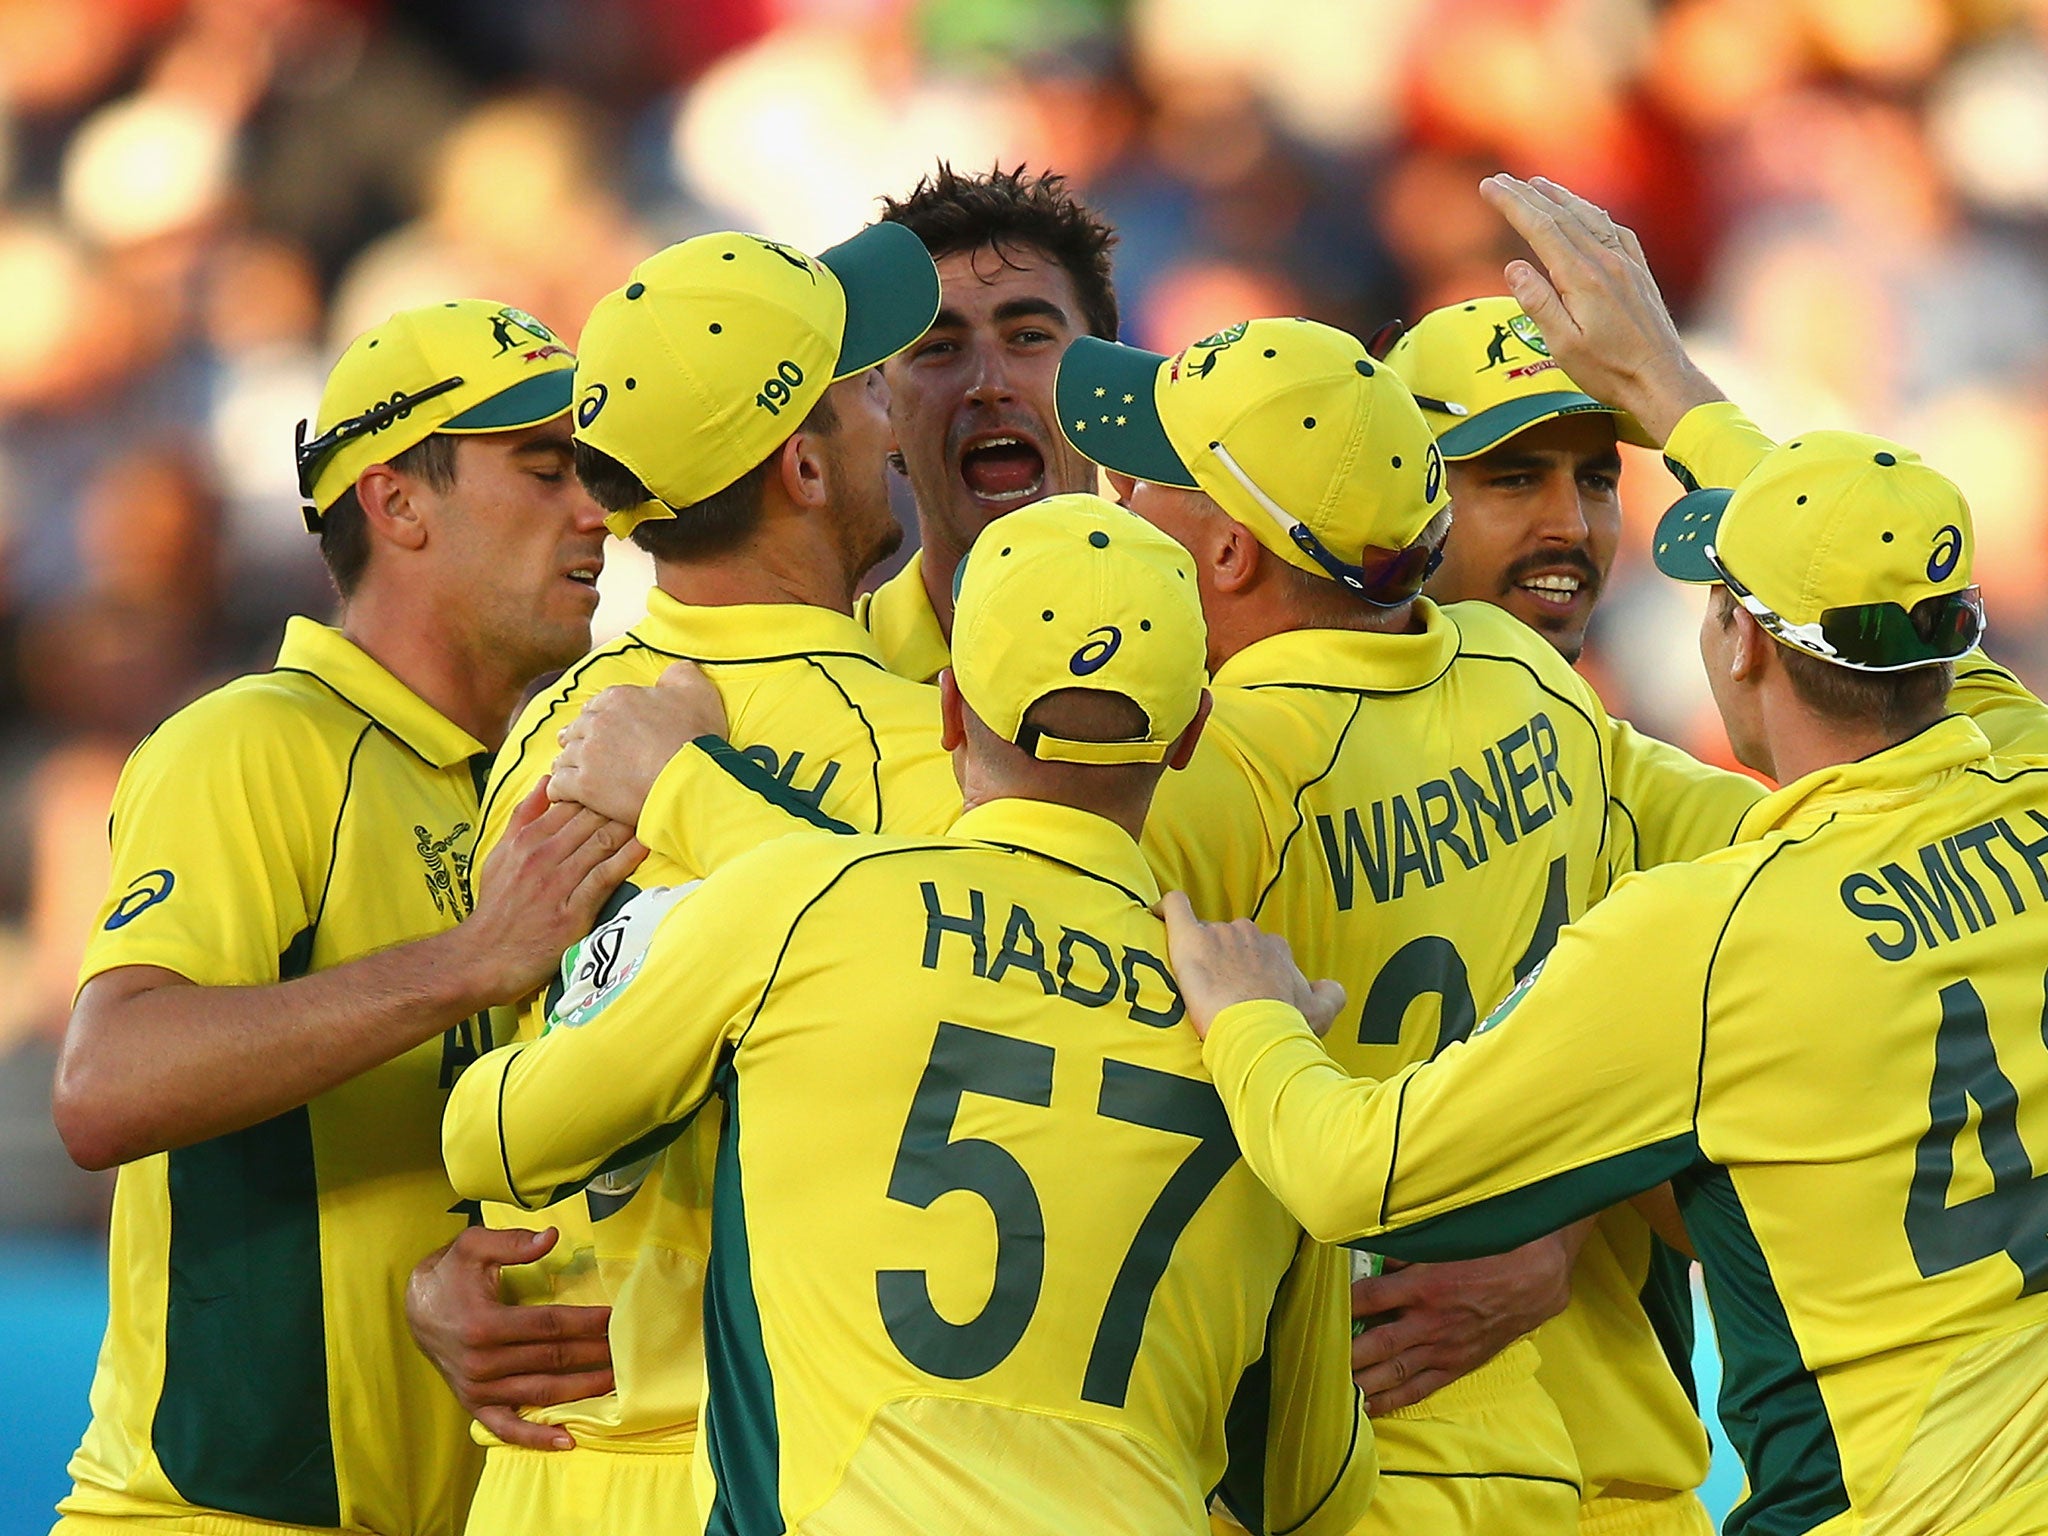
779,565
1796,742
941,556
472,685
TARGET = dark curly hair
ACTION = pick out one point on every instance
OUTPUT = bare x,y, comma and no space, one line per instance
950,212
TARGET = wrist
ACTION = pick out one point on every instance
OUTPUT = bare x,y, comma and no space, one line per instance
1665,400
463,978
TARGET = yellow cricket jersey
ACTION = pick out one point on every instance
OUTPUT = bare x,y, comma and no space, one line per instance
828,734
985,1256
1829,1037
256,1358
906,631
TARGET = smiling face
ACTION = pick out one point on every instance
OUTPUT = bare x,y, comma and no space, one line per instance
518,544
1538,520
972,402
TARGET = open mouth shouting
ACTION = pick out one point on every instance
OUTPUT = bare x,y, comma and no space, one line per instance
1002,469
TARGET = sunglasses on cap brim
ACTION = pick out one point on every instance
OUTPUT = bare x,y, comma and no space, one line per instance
1870,637
1382,343
1384,578
310,454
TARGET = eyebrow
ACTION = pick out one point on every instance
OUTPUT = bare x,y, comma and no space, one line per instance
1009,309
1509,463
553,447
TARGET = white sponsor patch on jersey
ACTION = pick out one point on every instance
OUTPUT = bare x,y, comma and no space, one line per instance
598,966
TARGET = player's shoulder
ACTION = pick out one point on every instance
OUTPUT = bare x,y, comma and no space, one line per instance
1673,899
263,718
1489,636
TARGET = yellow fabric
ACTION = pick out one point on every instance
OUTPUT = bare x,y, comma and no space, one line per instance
1715,445
1876,919
1672,1514
285,823
804,690
599,1493
1075,592
1322,748
989,1015
1272,418
899,615
491,348
1489,362
1829,520
716,348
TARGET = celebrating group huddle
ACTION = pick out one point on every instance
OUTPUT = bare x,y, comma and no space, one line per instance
1167,1016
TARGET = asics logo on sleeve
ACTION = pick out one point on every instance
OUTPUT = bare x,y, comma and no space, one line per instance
144,892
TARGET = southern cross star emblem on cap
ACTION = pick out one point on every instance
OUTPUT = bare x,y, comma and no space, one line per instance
1130,399
1100,391
1121,420
1080,426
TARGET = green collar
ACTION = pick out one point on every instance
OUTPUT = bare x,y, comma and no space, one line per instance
338,662
1082,839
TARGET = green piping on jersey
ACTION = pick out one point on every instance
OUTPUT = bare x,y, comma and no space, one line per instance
1771,1405
242,1422
1519,1216
1246,1426
741,1437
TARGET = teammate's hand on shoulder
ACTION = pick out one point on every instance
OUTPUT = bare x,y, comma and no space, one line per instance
615,749
1218,965
1433,1323
1597,303
497,1358
540,891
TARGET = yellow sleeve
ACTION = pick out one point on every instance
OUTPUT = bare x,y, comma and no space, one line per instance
2008,713
1669,804
1715,445
1315,1470
222,829
713,803
1576,1093
631,1046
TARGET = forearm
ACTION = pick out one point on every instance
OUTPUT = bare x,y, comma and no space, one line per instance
152,1062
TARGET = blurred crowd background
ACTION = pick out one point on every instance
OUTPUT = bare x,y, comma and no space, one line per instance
201,200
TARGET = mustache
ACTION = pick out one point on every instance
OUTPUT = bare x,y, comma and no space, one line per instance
1015,421
1536,561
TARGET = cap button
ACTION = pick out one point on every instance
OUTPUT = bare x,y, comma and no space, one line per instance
1886,459
1099,539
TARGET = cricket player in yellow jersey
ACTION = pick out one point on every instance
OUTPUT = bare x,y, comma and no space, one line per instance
282,985
1828,1036
762,511
984,1258
1534,470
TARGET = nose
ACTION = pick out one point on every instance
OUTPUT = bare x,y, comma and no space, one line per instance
988,380
1561,516
586,515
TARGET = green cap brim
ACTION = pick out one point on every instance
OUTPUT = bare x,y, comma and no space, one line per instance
1685,531
526,404
892,294
1496,424
1110,412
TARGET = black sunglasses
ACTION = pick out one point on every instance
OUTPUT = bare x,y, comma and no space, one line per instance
1870,637
309,454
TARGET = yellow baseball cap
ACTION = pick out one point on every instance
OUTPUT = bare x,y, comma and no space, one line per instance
1831,542
1075,592
1288,426
467,365
1482,372
717,348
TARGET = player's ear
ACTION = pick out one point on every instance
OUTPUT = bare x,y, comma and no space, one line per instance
1183,751
1122,484
1235,557
1750,653
805,475
952,716
391,507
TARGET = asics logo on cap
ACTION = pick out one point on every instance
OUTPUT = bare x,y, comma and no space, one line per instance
1432,473
1094,656
1948,549
592,402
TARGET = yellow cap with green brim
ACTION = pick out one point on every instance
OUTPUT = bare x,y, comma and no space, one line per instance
1482,372
1287,425
1833,542
1075,592
465,365
716,349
